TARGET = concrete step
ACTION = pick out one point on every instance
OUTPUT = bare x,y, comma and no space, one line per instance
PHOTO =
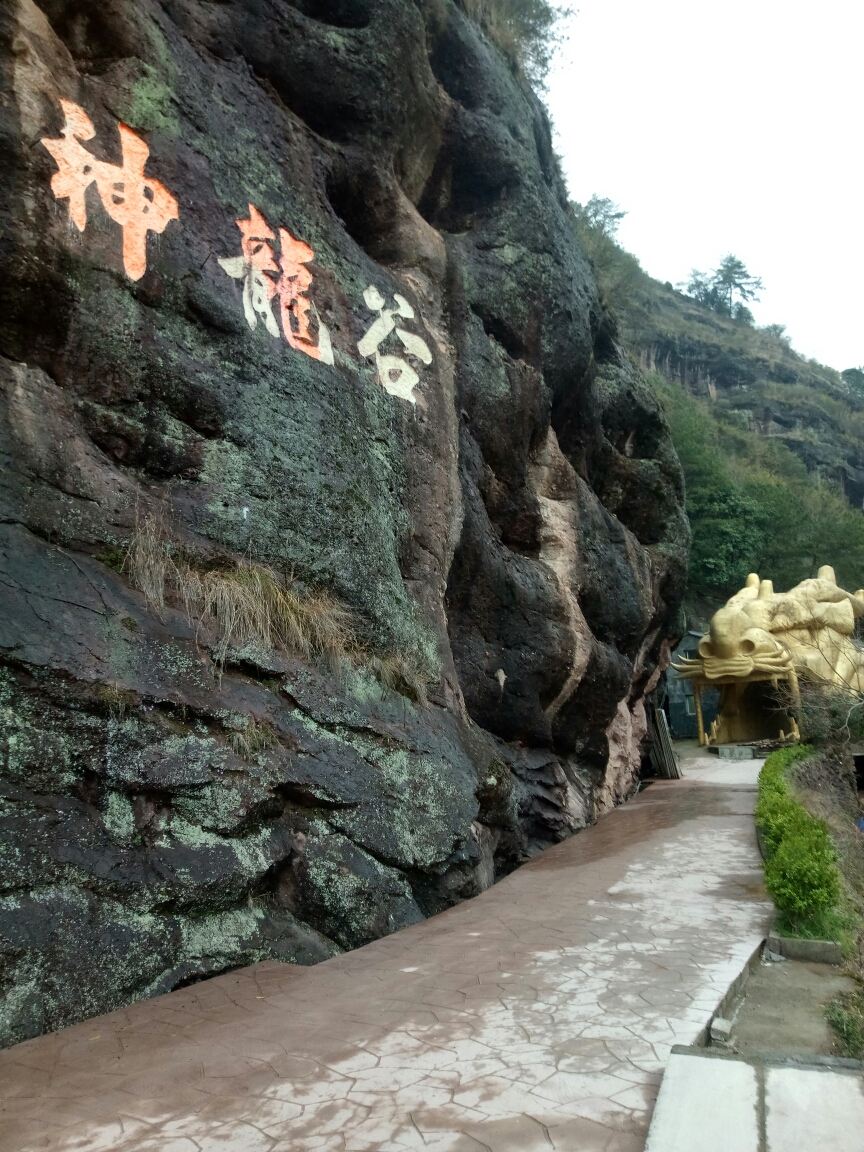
715,1102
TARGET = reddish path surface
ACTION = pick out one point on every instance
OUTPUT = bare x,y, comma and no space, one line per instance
537,1016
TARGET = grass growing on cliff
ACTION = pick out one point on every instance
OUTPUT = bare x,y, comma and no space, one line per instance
526,31
251,739
148,561
252,605
249,602
399,673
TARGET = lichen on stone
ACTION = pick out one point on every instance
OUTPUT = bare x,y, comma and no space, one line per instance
513,568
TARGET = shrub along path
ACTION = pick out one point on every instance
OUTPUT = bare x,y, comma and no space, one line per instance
538,1016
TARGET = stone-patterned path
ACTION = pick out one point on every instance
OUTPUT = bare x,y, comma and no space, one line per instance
538,1016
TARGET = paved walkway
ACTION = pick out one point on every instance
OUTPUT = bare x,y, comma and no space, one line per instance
537,1016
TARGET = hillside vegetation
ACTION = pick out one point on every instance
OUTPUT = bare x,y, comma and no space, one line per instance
526,31
753,505
772,444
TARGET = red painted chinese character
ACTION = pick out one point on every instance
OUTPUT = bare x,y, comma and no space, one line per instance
294,302
136,202
291,286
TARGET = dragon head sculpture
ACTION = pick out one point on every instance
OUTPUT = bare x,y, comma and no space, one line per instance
808,630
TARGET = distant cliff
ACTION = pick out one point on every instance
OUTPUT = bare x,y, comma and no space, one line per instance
340,538
772,444
756,377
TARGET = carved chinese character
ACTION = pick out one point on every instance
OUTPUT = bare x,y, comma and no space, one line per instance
136,202
396,375
259,287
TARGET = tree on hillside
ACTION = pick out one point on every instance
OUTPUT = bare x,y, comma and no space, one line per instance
733,279
600,213
618,272
853,378
778,330
727,289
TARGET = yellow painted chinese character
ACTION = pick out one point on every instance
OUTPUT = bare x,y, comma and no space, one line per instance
396,375
136,202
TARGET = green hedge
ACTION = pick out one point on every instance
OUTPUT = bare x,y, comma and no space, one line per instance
801,872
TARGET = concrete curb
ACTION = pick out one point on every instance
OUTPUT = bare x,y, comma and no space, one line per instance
760,840
733,992
812,951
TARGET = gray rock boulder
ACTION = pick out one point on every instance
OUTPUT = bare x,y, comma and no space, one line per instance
492,494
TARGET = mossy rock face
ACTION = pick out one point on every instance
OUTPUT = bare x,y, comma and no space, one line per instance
517,532
346,893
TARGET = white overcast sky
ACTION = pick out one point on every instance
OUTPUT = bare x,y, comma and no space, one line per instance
728,127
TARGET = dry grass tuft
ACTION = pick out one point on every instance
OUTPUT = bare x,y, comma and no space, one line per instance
252,605
116,700
400,674
148,560
254,738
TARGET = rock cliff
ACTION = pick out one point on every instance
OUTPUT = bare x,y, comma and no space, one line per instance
289,291
754,377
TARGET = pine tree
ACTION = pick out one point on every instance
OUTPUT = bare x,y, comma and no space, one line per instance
727,289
